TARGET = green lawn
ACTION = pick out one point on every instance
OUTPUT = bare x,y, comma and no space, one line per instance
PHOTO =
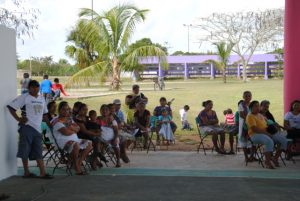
193,92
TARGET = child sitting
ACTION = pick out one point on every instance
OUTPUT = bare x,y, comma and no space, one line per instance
183,116
165,130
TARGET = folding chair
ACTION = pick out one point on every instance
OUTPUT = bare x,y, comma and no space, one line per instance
139,143
202,137
150,142
257,152
60,158
108,152
49,146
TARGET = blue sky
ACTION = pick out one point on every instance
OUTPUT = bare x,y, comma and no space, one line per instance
164,22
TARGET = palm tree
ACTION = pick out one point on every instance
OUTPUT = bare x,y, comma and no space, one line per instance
223,51
80,49
110,33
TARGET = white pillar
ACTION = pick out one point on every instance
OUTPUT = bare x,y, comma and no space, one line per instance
8,91
266,71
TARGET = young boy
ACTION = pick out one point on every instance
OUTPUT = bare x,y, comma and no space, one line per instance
183,116
45,88
30,141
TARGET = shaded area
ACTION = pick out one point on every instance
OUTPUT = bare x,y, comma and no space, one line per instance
150,188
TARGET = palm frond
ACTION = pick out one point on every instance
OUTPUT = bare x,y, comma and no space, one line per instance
150,51
85,75
217,64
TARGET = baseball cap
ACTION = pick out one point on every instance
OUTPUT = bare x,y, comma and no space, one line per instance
117,102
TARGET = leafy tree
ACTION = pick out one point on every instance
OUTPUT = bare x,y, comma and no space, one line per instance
248,31
223,52
81,49
110,33
138,68
22,19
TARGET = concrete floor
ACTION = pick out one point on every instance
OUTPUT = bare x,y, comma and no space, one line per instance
165,175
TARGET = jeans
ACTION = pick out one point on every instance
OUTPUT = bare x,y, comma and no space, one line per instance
258,138
280,139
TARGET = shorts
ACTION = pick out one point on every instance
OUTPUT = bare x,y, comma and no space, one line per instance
205,130
30,143
69,146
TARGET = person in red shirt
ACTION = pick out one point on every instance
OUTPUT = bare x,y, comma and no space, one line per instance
230,127
57,89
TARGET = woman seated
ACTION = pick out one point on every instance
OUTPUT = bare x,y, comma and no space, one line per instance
208,123
110,134
292,121
257,131
64,130
275,129
142,122
81,119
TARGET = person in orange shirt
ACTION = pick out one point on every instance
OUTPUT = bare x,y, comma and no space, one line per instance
57,88
257,131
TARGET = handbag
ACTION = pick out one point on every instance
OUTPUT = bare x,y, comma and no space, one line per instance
272,129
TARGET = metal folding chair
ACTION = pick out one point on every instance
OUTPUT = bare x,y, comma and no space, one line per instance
257,152
202,137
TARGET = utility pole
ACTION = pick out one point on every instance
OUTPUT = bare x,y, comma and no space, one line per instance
188,34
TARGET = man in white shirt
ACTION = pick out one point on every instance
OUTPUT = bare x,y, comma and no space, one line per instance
33,109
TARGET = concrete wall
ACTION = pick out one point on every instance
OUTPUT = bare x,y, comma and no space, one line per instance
8,91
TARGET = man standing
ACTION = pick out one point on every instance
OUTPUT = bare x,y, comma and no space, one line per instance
30,140
131,100
45,88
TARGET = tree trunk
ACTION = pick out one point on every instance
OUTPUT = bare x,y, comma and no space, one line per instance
245,71
115,83
224,75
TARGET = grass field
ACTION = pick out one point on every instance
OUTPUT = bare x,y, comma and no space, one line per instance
193,92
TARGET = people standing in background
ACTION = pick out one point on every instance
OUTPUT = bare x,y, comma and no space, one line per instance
24,83
57,89
45,88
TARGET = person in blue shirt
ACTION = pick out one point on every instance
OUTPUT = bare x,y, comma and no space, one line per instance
45,88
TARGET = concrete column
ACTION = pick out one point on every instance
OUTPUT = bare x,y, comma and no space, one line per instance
238,72
8,89
186,71
160,71
266,71
291,52
212,71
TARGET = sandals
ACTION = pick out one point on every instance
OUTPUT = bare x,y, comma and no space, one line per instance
30,176
46,176
269,166
118,165
81,173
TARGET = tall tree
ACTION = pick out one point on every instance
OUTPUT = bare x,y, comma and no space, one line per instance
80,48
18,17
110,33
223,52
248,31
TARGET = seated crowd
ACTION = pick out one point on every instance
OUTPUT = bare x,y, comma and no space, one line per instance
83,134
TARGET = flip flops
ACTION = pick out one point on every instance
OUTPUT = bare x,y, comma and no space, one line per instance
30,176
46,176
